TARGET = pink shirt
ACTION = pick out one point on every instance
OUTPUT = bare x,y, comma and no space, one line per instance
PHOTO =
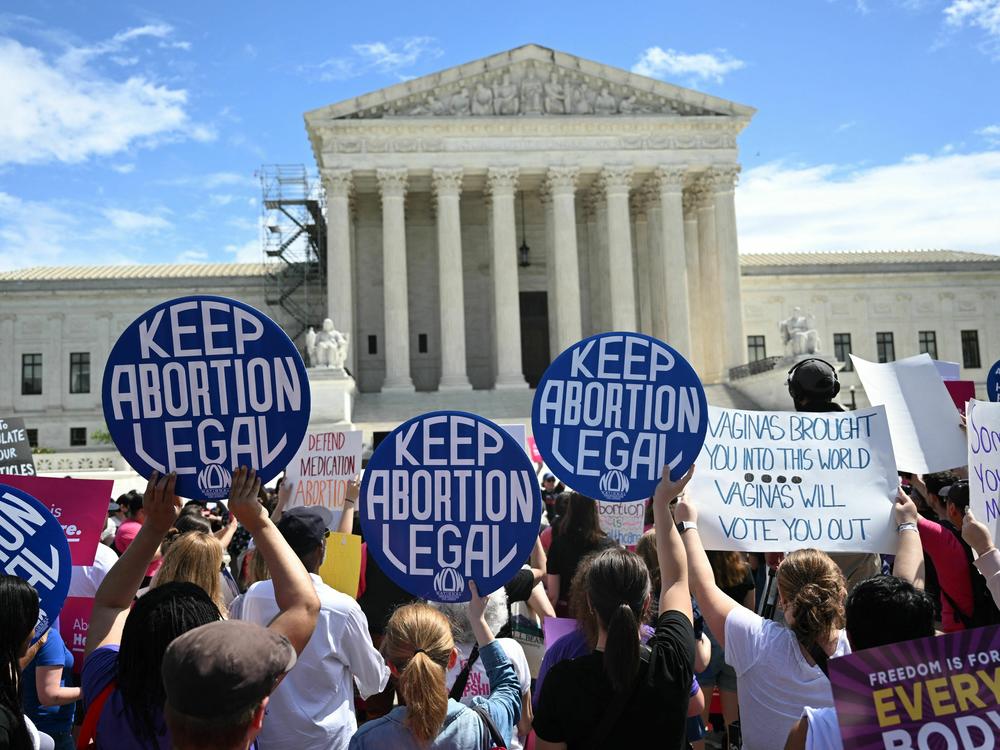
125,536
951,564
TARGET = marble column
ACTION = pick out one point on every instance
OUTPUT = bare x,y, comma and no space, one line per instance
657,269
616,181
642,261
447,185
501,183
11,372
339,269
597,260
392,186
545,198
723,181
711,284
561,187
674,282
695,305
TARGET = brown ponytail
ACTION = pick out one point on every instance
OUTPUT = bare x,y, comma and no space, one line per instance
418,643
618,586
814,592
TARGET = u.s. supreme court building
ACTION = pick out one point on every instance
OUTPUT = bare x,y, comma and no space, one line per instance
481,219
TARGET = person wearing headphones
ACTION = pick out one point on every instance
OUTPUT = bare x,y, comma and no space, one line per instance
813,385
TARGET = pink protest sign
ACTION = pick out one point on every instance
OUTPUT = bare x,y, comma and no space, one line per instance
74,619
80,505
961,391
533,453
555,628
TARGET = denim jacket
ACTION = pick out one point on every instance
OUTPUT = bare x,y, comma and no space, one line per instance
463,729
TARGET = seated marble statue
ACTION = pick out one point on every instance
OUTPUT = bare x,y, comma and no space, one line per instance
328,348
798,334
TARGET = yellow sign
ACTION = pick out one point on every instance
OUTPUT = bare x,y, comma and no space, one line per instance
342,567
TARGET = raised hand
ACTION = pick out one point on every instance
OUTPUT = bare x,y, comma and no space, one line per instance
353,489
668,489
904,508
976,533
159,503
243,501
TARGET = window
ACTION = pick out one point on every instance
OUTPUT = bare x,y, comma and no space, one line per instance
77,436
373,344
928,343
32,437
842,350
756,349
886,346
79,372
31,374
970,350
422,343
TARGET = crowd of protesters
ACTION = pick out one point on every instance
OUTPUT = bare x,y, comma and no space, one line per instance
212,628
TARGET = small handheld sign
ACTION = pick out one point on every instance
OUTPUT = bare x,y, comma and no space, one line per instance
613,409
448,497
202,385
34,547
993,382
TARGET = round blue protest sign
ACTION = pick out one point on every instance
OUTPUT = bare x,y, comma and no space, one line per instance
993,382
612,410
202,385
450,497
33,546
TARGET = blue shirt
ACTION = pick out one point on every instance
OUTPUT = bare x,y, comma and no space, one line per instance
462,727
49,719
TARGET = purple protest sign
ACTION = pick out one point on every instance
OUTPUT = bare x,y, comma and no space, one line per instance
932,693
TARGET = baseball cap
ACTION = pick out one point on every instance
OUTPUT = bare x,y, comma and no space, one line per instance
549,478
237,663
957,493
814,377
305,527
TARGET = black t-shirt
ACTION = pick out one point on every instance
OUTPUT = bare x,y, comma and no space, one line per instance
10,731
565,555
381,598
519,587
576,693
737,592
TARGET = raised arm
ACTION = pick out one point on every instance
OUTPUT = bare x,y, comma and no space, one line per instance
226,533
116,592
504,703
909,563
346,525
294,592
713,602
538,560
977,535
284,495
674,591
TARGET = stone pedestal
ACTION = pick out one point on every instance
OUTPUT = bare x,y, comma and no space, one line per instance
333,394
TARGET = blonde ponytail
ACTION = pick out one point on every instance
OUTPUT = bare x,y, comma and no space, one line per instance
418,642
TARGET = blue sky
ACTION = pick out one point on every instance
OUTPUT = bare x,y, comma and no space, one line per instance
131,133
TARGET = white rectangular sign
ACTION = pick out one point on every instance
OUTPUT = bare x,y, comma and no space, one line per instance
322,467
984,462
778,481
622,521
925,426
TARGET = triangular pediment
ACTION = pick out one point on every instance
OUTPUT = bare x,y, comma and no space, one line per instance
531,80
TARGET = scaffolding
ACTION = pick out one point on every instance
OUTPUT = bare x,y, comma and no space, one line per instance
293,238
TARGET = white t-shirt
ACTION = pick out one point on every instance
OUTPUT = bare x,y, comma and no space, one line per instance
824,731
479,683
86,579
314,705
775,680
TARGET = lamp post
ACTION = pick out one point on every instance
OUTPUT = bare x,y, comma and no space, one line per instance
522,252
854,403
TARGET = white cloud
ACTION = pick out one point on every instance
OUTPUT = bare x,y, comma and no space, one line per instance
981,14
845,126
126,168
247,252
133,221
213,180
380,57
62,108
657,62
942,201
991,133
193,256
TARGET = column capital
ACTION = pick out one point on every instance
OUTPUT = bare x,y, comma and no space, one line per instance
500,180
591,202
689,202
392,182
616,179
338,182
722,179
650,192
703,193
561,180
670,179
447,180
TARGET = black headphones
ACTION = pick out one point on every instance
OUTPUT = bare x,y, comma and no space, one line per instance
793,388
